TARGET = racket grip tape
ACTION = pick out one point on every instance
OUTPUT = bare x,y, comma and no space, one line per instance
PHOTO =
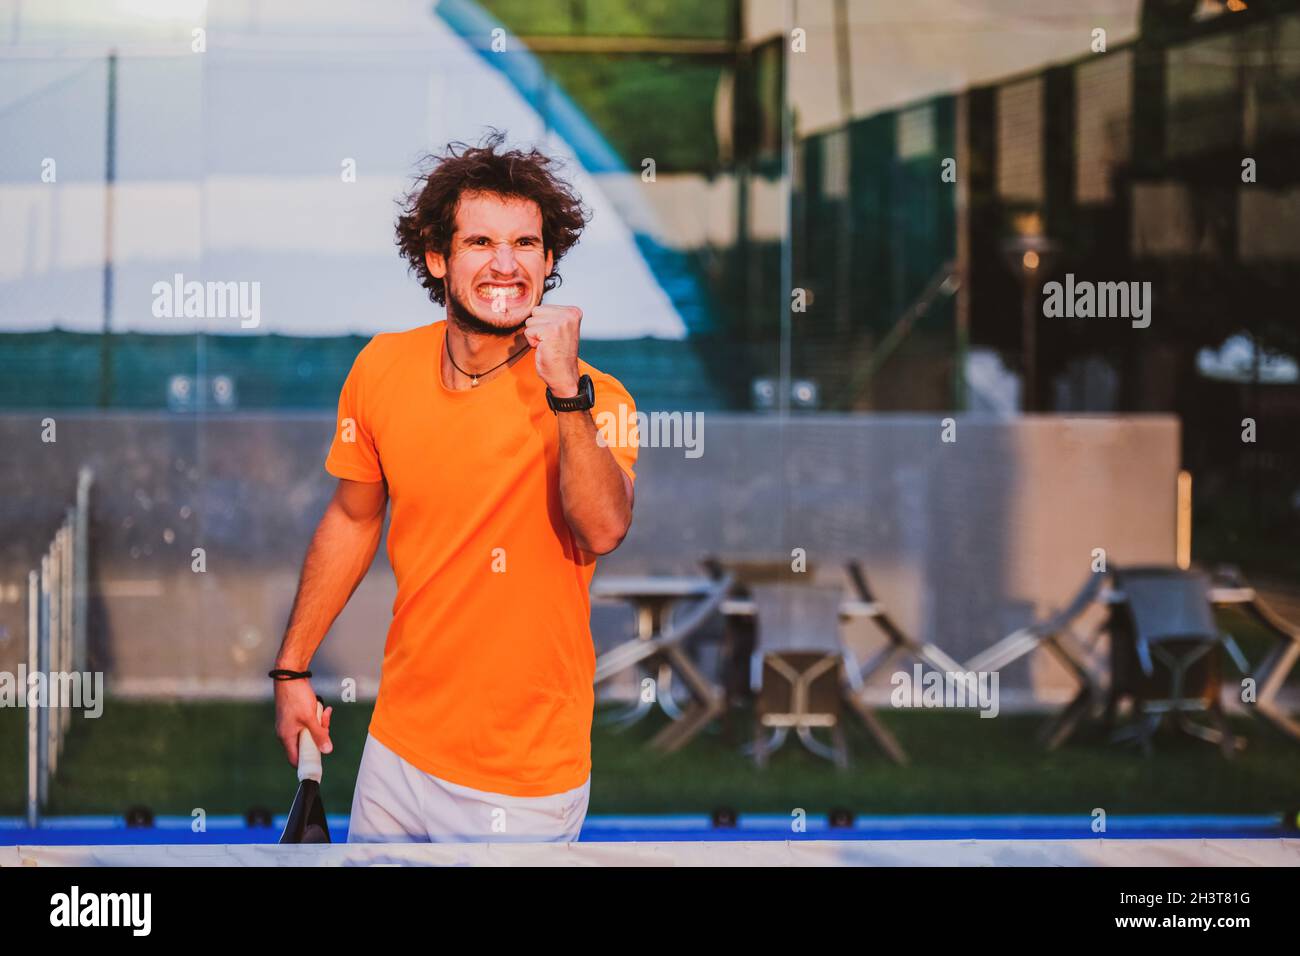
309,762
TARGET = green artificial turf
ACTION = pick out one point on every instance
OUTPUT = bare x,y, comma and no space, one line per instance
224,758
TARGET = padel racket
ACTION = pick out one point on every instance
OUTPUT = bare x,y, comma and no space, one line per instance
306,822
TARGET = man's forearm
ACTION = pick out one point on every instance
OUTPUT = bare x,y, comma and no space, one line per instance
340,553
593,488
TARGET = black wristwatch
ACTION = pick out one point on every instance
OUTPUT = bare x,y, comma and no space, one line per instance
581,402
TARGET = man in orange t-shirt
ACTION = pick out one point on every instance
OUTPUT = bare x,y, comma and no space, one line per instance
480,431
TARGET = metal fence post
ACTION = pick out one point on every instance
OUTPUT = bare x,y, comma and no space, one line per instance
42,667
66,609
81,569
53,645
33,726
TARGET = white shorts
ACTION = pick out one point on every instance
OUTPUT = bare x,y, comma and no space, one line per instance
395,802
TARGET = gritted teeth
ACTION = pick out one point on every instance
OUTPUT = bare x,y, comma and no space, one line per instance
501,291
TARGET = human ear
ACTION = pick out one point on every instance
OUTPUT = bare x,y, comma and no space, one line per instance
437,264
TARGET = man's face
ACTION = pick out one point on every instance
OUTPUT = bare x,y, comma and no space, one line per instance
495,269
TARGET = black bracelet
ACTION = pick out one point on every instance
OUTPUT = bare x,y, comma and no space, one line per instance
281,674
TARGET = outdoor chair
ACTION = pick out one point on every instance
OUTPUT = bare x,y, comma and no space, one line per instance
1165,648
797,670
1055,634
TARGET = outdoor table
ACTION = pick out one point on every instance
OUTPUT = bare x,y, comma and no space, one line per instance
1269,676
855,609
652,598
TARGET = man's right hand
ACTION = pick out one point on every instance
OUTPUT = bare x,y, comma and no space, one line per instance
295,708
337,559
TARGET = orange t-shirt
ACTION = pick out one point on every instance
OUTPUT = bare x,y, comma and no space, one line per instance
488,666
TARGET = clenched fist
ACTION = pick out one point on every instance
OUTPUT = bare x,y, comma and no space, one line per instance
552,331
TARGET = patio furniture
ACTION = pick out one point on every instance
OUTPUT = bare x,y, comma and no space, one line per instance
740,613
1272,672
797,671
1056,634
659,648
899,642
1165,655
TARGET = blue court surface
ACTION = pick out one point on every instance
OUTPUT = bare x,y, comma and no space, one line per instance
108,831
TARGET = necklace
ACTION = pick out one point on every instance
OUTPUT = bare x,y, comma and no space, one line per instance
473,376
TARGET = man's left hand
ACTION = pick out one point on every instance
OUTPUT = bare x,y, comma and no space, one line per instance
552,331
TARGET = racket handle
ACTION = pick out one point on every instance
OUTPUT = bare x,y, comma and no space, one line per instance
309,762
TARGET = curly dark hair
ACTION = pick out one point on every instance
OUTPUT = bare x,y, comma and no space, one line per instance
428,216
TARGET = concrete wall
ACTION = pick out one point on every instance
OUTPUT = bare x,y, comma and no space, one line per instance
963,541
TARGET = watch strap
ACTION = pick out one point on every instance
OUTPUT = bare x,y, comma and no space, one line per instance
584,400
